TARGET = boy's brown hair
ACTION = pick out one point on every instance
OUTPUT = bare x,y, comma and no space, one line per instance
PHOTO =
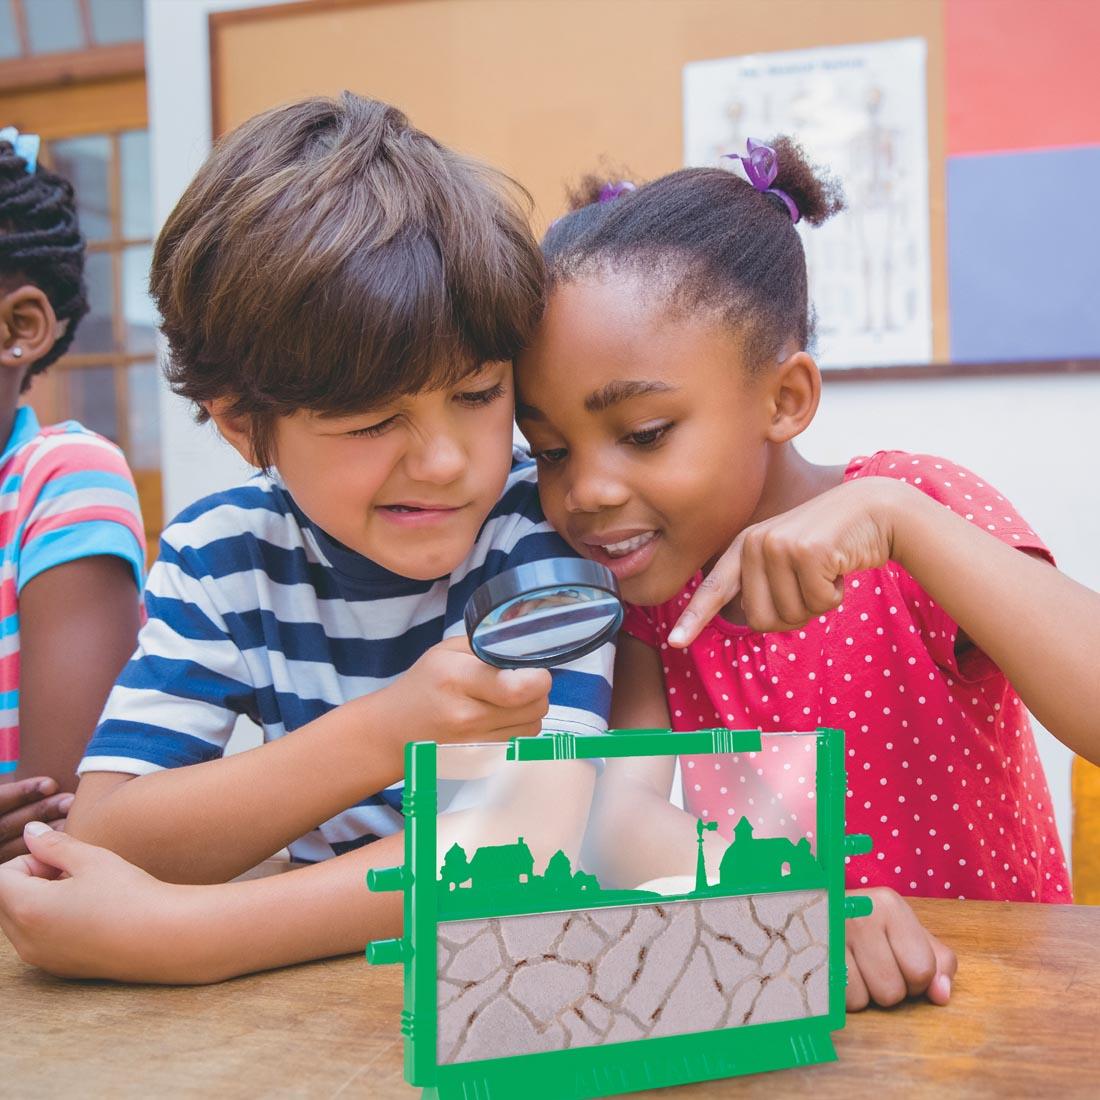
328,256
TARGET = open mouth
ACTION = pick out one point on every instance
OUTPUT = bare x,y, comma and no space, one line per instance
625,554
627,546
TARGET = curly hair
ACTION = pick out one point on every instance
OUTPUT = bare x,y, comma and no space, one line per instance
41,243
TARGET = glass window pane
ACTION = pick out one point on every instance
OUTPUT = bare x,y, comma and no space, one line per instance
85,162
95,333
9,40
143,388
137,195
90,398
137,306
117,21
53,25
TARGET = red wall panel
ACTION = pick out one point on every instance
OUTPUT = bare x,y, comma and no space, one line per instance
1022,74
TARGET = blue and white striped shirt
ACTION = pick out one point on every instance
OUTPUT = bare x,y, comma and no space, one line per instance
255,611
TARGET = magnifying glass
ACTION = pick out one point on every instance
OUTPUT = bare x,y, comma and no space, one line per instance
544,613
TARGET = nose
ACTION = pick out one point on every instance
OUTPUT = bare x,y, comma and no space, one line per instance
595,490
438,458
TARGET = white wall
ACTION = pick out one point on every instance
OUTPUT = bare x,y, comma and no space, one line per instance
1034,437
195,461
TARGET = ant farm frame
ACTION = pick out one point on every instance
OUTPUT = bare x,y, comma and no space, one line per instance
544,957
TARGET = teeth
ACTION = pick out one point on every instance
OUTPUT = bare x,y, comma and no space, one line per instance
627,546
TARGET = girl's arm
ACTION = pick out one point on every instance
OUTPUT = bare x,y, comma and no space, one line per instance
1038,626
636,834
889,955
78,623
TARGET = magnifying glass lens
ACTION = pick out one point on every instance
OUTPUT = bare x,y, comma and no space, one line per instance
543,614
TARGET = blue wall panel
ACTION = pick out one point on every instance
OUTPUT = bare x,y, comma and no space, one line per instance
1023,250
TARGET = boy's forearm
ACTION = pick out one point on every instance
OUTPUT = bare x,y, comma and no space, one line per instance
309,913
1041,628
209,822
324,910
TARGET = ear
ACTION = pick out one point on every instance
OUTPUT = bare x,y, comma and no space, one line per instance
28,327
795,392
235,429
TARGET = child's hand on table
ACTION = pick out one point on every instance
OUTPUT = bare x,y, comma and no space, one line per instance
79,911
891,956
34,799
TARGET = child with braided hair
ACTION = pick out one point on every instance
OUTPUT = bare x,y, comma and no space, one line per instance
72,547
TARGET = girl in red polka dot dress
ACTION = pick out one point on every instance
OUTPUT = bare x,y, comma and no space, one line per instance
899,597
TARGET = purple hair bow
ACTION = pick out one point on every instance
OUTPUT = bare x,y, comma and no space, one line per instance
611,191
762,166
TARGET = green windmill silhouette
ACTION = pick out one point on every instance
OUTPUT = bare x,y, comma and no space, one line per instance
700,864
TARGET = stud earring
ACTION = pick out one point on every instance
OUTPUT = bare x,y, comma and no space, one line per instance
17,353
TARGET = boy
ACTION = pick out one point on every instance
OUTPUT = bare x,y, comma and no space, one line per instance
343,298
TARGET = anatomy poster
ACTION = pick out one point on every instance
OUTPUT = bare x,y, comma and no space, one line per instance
859,111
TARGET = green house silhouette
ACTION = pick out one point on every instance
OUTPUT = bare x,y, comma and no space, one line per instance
490,868
752,861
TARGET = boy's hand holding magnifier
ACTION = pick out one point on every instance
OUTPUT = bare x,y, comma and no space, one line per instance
494,684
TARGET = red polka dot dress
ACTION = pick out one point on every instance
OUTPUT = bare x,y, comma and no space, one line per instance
943,772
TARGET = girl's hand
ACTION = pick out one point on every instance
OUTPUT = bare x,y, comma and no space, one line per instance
34,799
78,911
891,956
791,568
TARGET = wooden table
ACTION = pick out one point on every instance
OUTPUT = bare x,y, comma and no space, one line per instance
1024,1021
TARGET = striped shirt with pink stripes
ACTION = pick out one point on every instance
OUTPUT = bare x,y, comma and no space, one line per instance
65,493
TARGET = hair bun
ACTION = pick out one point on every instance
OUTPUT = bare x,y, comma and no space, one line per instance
12,165
594,188
815,192
586,192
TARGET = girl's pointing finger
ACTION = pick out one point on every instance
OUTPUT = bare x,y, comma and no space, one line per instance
718,587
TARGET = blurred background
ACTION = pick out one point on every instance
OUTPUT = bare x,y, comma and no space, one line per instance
957,297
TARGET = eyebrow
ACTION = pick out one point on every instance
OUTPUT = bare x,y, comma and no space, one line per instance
528,412
611,394
393,402
615,392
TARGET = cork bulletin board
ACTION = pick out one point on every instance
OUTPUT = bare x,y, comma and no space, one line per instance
550,89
